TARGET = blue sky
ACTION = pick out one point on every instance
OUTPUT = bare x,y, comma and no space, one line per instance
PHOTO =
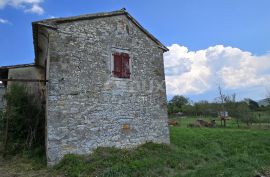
212,42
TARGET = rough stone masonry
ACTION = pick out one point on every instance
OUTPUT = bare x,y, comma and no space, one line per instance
86,105
2,93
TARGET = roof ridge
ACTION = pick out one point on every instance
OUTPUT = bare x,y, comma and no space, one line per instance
82,16
49,23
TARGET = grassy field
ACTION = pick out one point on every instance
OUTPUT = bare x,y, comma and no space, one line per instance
262,124
194,152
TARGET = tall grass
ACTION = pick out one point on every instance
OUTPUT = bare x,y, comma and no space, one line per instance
23,122
194,152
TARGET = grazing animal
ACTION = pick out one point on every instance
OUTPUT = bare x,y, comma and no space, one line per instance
172,122
193,125
212,123
202,123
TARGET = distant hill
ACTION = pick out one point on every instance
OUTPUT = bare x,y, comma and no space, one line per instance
264,102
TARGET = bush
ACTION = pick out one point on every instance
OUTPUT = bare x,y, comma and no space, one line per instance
23,121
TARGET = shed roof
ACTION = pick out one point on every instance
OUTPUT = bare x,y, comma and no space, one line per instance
52,23
16,66
4,72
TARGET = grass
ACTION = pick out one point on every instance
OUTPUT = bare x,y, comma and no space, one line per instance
193,152
265,124
262,117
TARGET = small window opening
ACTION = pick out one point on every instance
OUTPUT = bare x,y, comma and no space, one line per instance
121,65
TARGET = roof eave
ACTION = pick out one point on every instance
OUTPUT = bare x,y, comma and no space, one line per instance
17,66
147,32
81,17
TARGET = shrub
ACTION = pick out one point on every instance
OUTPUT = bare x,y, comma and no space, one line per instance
23,121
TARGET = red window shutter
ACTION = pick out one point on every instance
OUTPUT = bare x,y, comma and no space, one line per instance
125,66
117,70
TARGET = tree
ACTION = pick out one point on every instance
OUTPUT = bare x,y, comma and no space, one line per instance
241,111
204,108
268,105
268,96
179,100
176,103
233,108
268,99
253,105
188,110
222,99
244,113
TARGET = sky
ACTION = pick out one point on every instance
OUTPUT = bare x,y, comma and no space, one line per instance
211,42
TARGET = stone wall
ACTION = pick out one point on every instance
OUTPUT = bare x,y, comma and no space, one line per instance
33,72
86,106
2,93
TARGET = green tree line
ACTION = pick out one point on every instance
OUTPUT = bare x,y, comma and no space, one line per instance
247,110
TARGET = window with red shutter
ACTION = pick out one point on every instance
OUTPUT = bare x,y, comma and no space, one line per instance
117,62
125,66
121,65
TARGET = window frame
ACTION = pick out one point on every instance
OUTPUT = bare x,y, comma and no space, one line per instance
117,50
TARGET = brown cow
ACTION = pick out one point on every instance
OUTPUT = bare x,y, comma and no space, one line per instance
202,123
172,122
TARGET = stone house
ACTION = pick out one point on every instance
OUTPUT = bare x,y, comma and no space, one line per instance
104,83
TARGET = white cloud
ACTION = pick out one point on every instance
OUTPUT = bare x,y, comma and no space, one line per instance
32,6
35,9
191,72
4,21
51,16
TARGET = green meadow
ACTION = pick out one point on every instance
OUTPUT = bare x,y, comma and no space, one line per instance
193,152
